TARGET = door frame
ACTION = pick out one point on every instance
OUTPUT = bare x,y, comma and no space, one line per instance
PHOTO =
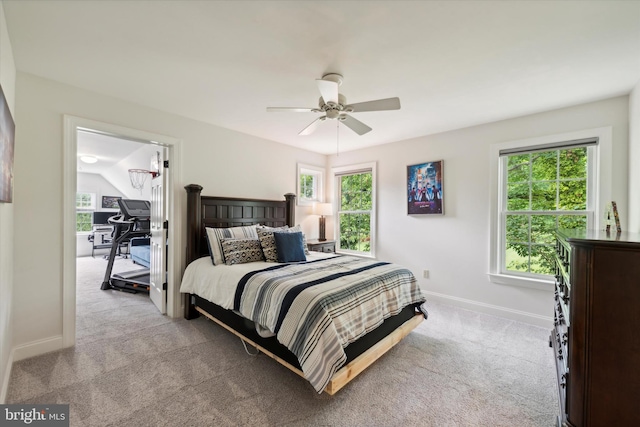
174,260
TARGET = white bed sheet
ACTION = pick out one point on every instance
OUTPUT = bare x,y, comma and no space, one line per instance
217,283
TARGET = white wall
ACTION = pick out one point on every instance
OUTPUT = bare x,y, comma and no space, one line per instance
224,162
634,160
8,83
455,247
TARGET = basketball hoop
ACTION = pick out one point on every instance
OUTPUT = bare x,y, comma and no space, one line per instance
138,177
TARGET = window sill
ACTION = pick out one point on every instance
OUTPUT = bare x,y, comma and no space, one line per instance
524,282
355,254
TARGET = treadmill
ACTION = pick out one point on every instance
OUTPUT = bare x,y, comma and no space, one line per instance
133,221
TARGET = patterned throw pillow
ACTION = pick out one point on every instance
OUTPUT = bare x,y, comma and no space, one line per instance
214,235
304,239
268,242
240,251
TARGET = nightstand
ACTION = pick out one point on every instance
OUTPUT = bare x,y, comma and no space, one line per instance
325,246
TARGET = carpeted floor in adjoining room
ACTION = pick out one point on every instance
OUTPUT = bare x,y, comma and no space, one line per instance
134,367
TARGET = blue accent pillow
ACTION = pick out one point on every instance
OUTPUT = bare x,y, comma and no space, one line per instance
289,247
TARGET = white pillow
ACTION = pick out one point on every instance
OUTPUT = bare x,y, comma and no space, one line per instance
215,235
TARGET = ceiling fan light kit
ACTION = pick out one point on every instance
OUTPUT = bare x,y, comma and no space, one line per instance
334,106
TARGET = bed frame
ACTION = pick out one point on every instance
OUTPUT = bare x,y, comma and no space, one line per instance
223,212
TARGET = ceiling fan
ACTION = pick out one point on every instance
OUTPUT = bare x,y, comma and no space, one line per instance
334,106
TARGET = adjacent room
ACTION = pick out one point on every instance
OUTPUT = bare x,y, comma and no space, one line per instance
346,213
113,253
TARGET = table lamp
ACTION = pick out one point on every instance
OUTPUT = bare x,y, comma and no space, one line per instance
322,209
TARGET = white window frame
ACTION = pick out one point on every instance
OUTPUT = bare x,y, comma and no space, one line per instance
85,209
318,173
598,186
353,169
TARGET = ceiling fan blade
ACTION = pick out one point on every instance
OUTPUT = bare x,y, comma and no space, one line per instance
328,90
312,127
355,125
290,110
377,105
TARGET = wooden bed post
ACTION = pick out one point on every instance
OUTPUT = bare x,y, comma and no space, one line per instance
194,228
290,209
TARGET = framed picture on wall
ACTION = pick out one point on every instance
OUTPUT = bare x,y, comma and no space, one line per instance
7,133
425,194
110,202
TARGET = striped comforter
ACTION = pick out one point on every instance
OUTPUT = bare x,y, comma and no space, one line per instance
317,308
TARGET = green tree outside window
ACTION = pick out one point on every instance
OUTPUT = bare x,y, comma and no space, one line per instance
545,191
85,205
356,203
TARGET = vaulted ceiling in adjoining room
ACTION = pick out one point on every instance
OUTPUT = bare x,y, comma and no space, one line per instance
452,64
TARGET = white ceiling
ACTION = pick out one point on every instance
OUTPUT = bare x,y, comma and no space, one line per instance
107,150
453,64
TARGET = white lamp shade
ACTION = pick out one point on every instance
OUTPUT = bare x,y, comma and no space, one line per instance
322,209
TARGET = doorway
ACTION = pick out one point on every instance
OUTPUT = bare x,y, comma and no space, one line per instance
169,149
114,170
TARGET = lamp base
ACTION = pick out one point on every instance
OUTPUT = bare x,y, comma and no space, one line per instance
321,230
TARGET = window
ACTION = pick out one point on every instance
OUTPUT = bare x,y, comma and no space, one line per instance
85,205
355,200
544,191
310,184
541,185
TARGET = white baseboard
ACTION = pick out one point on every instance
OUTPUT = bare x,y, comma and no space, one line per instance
36,348
6,375
495,310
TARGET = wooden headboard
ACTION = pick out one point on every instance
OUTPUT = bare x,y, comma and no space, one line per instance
223,212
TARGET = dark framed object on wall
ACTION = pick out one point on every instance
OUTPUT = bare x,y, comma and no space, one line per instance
425,193
7,140
110,202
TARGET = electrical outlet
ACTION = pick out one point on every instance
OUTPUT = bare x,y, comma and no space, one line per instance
425,274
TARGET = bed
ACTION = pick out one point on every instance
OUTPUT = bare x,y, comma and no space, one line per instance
312,353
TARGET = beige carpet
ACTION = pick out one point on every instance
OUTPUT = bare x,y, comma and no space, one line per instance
134,367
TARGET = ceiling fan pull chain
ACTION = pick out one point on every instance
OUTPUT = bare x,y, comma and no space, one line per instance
337,138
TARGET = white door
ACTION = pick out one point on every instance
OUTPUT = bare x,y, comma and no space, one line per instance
158,276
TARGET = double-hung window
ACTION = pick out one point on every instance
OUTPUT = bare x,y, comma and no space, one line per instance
355,199
541,187
544,191
85,205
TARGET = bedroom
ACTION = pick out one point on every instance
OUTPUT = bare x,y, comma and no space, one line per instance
462,234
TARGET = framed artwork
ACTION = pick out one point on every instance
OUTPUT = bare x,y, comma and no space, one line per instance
110,202
7,135
425,194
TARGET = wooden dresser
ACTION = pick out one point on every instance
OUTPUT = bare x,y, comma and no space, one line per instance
596,335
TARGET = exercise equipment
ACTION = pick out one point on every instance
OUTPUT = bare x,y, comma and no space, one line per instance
133,221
